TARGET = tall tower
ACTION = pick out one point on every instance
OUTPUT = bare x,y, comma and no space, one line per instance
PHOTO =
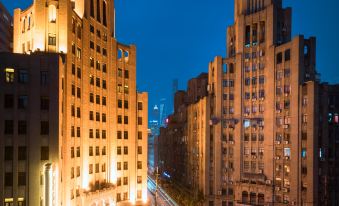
102,150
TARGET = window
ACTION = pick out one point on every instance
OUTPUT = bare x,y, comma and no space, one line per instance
78,53
119,103
287,55
104,16
92,9
139,105
22,153
139,179
104,86
78,171
44,103
279,58
248,36
140,135
78,92
97,151
9,75
22,127
8,153
72,172
8,179
126,74
44,127
119,150
78,151
103,167
72,152
97,116
21,178
52,13
118,184
98,11
23,76
78,131
125,181
125,134
139,120
22,102
51,40
139,150
43,78
9,101
125,165
97,133
139,165
119,72
79,73
90,169
97,82
125,119
73,48
44,153
9,127
72,131
103,150
91,115
254,34
79,31
125,150
119,119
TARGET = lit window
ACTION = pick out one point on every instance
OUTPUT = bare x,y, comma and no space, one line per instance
9,77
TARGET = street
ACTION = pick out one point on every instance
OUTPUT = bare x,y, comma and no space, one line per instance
163,199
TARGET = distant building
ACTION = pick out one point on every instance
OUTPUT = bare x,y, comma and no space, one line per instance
163,112
251,135
73,126
6,30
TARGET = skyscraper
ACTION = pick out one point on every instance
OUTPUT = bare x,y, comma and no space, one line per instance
253,137
6,30
87,141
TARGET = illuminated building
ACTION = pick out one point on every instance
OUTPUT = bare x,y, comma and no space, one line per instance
255,137
95,150
6,30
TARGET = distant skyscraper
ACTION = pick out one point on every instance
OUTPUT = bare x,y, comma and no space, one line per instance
6,30
174,90
163,112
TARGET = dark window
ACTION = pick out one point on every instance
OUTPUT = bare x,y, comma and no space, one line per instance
8,153
104,52
78,151
139,120
22,153
97,133
9,101
90,151
97,82
97,99
73,90
119,119
139,165
78,131
22,102
73,110
287,55
91,115
279,58
23,76
104,12
21,178
140,135
9,127
92,9
139,105
44,78
119,150
126,74
139,150
79,73
72,131
119,103
98,11
255,34
78,112
248,36
97,151
126,104
91,133
91,27
97,116
44,103
103,134
104,86
78,92
125,134
125,119
91,97
79,31
126,150
103,117
22,127
44,153
44,128
8,179
104,101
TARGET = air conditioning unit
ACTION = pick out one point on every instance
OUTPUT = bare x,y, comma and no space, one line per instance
278,110
231,142
287,157
254,157
230,182
286,189
277,188
286,126
277,158
261,171
268,182
277,142
287,142
219,192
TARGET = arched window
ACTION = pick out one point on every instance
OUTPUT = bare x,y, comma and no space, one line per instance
92,8
52,13
98,11
104,16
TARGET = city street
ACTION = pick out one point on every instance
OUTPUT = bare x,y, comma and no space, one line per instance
163,199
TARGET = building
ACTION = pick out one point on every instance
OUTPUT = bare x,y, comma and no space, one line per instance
6,30
329,144
93,138
254,137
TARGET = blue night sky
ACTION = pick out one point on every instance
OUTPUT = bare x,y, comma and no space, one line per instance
177,38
